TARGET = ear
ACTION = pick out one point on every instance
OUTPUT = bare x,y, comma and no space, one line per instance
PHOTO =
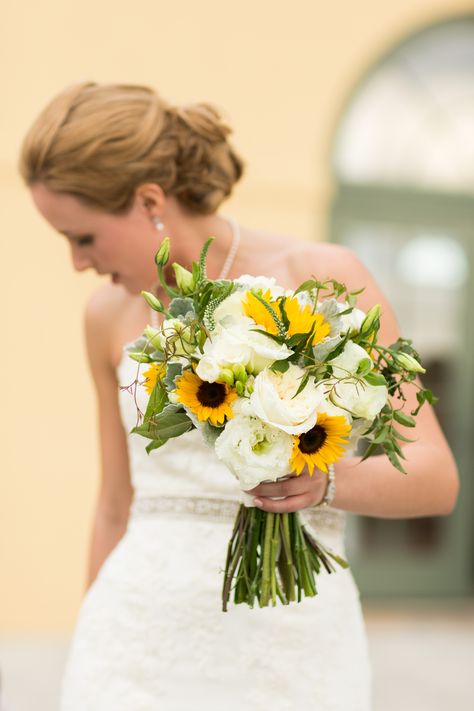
150,198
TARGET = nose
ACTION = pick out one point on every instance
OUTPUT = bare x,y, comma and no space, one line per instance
80,260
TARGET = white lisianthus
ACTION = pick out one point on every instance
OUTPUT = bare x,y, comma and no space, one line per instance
352,322
208,369
221,352
274,401
360,398
231,309
254,451
260,350
347,362
262,283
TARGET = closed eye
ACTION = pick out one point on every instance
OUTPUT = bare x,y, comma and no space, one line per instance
79,240
84,241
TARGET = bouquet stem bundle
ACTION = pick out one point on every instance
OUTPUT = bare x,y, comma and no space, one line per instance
272,556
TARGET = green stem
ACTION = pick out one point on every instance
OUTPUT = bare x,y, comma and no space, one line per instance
273,559
266,569
289,575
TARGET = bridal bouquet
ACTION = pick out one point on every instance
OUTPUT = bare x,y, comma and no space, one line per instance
275,381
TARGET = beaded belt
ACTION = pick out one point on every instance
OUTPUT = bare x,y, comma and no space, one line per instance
225,510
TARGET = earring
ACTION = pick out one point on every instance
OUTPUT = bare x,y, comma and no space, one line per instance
158,223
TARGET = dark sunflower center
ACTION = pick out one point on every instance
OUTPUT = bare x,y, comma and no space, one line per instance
313,440
211,394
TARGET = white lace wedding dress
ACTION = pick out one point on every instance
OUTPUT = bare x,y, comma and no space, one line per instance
151,635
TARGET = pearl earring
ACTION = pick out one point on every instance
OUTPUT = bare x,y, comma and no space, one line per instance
158,224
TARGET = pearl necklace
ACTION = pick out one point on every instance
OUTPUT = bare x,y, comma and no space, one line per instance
235,227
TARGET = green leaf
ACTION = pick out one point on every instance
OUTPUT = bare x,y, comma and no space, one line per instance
165,426
310,285
381,435
375,379
278,339
280,366
364,367
156,402
371,449
403,419
400,436
155,444
173,371
181,306
302,385
299,339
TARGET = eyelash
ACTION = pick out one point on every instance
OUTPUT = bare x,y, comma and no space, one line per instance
84,241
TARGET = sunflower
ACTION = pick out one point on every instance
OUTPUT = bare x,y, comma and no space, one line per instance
323,444
155,372
301,318
208,401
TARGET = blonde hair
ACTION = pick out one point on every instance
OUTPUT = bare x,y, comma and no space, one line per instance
100,142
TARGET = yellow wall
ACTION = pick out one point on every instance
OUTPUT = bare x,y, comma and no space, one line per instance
281,71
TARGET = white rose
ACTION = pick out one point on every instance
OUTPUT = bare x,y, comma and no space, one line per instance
274,401
347,362
254,451
360,398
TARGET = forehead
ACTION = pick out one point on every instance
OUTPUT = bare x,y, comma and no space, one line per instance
65,212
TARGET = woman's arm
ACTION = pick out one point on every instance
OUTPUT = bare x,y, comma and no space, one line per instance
374,487
115,492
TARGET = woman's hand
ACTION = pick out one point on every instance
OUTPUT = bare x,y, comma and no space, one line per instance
299,492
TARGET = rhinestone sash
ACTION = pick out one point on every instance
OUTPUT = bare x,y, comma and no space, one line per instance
225,510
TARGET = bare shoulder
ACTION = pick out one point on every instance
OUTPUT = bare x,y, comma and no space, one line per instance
102,317
326,260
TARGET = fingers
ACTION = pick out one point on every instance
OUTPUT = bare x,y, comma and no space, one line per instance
288,505
291,487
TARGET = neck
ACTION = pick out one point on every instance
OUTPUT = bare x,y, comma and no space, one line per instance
188,236
193,233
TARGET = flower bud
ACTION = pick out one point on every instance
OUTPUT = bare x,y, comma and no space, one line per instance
163,254
370,322
226,376
239,387
409,363
240,373
152,301
154,336
184,279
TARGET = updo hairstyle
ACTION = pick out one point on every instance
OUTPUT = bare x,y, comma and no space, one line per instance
100,142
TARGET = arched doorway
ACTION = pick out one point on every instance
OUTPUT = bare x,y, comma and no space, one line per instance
403,163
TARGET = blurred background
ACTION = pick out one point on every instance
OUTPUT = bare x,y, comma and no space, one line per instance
357,124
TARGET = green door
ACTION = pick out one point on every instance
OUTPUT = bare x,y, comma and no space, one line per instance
419,246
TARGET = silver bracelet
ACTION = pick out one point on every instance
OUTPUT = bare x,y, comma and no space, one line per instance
330,491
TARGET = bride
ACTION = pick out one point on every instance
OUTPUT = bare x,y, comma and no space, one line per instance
114,169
